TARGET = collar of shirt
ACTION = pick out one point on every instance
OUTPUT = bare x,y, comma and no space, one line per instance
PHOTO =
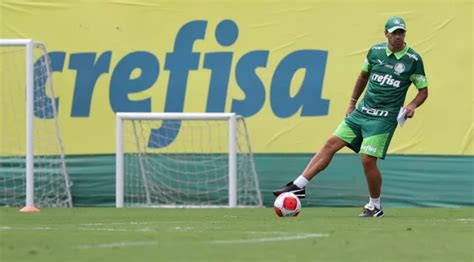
398,54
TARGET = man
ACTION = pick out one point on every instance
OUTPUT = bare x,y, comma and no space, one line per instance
389,69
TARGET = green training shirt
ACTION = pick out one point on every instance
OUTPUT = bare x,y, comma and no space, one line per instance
390,75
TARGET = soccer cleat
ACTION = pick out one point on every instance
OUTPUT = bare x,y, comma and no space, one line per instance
371,211
290,187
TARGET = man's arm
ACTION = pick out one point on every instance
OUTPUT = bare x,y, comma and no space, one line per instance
358,89
416,102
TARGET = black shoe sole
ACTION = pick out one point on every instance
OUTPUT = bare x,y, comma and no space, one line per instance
277,193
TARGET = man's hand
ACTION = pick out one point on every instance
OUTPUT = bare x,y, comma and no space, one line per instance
410,110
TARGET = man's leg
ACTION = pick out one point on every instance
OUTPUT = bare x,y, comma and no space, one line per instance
372,174
317,164
374,182
321,160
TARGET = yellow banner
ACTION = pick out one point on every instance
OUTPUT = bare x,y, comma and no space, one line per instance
289,67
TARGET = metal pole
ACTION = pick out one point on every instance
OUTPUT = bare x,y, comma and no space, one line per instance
119,162
29,125
232,162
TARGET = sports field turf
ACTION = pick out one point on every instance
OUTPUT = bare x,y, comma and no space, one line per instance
318,234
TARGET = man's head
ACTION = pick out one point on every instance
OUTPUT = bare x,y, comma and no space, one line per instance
395,29
394,23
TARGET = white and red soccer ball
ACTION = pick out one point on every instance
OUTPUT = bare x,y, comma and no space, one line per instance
287,205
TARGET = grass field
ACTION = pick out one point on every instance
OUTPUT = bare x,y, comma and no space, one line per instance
318,234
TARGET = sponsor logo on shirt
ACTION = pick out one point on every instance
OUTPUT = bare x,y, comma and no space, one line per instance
374,112
385,80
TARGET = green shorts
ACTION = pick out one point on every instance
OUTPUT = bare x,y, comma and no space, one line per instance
366,134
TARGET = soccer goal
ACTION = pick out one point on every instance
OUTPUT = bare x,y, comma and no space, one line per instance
32,165
184,160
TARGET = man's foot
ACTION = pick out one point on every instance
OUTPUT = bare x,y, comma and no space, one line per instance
290,187
371,211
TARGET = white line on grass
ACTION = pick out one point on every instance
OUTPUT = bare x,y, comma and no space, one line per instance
103,229
144,229
26,228
268,239
466,219
268,233
41,228
119,223
119,244
184,228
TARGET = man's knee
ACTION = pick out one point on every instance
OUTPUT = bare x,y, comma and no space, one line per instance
333,144
368,161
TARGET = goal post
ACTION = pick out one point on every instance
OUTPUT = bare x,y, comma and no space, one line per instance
184,160
32,163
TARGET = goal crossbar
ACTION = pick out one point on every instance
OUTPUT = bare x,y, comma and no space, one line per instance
176,116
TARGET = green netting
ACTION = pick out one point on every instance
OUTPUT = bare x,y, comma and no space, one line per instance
408,181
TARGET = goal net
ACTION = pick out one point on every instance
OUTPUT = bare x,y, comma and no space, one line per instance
185,160
32,166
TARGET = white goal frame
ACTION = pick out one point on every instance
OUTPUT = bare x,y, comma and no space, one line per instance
232,140
29,45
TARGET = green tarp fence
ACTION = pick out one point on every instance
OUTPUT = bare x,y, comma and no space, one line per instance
408,181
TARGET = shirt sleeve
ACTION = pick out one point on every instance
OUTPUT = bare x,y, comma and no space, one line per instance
418,78
366,67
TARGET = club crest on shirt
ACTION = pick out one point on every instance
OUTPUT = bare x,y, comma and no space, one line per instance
399,68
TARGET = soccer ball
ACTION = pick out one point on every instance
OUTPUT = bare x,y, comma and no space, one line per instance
287,205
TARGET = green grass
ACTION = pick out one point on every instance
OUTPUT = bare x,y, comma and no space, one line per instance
318,234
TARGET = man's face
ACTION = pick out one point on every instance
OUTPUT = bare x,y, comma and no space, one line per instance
396,39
